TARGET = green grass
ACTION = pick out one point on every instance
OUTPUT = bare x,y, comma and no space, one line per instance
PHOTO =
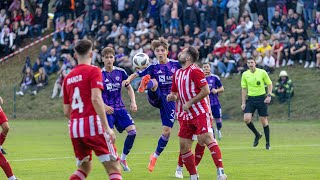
42,150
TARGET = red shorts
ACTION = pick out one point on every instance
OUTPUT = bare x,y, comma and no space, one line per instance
100,144
199,125
3,117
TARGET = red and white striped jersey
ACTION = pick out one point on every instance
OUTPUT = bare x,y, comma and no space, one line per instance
86,126
77,88
188,83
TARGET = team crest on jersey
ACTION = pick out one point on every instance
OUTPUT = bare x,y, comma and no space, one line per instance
117,78
173,70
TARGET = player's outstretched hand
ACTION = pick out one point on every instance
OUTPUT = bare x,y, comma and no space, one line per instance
126,82
133,107
214,91
172,97
243,106
1,100
186,106
110,135
109,109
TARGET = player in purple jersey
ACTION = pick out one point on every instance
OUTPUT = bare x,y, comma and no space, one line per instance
157,79
216,87
118,116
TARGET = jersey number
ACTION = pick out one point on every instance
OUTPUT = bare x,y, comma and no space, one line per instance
77,101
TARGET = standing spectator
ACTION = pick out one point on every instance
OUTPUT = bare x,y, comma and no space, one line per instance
284,87
60,25
79,7
253,83
6,42
107,8
202,9
190,15
211,15
221,11
233,6
154,11
94,10
176,14
15,6
3,17
165,15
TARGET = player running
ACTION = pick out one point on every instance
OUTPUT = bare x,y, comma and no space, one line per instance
4,163
117,114
157,79
88,126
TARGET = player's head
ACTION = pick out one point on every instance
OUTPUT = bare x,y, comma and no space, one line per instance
251,63
206,68
189,54
108,56
83,50
160,48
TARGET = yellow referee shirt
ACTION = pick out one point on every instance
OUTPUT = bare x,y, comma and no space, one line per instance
255,82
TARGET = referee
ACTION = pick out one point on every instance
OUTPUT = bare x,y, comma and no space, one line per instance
253,84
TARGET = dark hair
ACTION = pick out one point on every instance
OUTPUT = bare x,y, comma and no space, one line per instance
82,47
194,53
160,42
107,50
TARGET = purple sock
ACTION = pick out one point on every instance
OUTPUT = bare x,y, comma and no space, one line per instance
150,84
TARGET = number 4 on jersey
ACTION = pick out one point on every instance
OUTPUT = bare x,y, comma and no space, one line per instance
76,100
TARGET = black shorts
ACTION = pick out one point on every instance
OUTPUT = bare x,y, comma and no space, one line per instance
256,102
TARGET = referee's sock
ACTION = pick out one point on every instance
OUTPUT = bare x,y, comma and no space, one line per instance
253,129
267,134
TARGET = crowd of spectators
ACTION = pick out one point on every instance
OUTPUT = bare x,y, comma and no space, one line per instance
276,33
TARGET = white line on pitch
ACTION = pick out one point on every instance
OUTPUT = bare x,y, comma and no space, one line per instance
139,153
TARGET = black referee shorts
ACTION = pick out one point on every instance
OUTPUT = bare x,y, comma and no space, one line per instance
256,102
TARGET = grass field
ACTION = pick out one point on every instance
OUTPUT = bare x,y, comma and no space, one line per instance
42,150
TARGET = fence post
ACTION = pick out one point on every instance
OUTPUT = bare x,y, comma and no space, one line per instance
14,101
289,107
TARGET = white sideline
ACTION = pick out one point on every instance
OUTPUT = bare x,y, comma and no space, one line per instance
226,148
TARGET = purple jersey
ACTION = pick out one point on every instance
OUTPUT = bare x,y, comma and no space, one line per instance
112,83
162,73
214,82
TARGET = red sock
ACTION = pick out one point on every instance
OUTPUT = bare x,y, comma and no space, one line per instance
189,162
5,166
180,163
2,138
199,151
78,175
216,154
115,176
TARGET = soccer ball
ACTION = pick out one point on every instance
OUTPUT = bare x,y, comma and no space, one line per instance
140,60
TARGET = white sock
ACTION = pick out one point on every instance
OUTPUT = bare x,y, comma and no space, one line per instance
220,171
12,178
155,155
179,168
0,147
194,177
123,157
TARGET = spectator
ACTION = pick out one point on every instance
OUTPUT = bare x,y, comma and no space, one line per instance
41,80
287,51
27,83
277,52
314,49
276,22
227,64
38,22
299,51
233,6
3,17
60,25
190,15
263,48
176,14
6,42
51,63
269,62
58,83
37,65
283,88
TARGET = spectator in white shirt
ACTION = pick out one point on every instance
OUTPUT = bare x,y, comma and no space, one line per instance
269,62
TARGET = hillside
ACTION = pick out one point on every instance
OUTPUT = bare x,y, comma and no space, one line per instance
304,105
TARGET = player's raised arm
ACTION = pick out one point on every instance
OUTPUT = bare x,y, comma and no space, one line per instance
130,78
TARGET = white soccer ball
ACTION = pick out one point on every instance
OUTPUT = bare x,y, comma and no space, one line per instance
140,60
